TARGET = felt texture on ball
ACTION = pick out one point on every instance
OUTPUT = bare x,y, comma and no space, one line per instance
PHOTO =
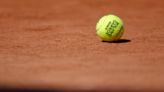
110,28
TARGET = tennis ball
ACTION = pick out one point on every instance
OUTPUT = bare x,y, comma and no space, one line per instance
110,28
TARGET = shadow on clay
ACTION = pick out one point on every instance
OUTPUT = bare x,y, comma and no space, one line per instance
119,41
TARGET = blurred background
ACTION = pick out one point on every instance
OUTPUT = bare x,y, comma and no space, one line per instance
51,45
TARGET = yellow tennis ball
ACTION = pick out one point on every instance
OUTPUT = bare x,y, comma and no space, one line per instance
110,28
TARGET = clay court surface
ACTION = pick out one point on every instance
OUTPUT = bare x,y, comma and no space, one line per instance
52,45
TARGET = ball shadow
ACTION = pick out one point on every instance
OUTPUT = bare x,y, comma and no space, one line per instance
119,41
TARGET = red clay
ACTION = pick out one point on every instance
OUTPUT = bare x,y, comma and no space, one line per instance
52,44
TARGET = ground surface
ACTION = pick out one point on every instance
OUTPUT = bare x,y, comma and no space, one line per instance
51,44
